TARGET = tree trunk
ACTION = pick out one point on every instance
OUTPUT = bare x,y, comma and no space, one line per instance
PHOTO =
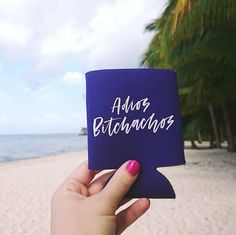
199,135
193,145
214,125
211,141
231,146
222,134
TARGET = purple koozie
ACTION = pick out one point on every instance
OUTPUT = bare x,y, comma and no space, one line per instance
134,114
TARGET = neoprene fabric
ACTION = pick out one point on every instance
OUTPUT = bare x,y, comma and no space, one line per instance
134,114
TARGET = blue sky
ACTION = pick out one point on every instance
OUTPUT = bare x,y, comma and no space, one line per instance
47,46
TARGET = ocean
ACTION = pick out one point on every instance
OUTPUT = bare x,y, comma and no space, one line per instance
20,147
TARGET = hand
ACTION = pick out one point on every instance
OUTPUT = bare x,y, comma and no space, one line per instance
83,206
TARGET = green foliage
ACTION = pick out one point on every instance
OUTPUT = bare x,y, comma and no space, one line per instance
197,39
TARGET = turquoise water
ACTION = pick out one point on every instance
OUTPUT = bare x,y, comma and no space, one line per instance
19,147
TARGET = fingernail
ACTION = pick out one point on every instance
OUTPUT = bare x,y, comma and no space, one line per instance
133,167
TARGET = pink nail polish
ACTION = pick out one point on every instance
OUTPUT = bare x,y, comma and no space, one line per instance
133,167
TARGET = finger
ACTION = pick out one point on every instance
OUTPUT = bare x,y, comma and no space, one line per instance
82,174
128,216
124,201
121,182
98,184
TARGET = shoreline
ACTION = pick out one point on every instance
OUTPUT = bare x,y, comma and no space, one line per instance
14,148
187,146
40,158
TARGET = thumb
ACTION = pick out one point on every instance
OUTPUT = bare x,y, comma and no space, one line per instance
121,182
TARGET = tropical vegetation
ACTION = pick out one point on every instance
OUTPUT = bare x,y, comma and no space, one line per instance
197,38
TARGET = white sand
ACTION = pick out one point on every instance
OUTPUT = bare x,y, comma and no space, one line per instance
205,189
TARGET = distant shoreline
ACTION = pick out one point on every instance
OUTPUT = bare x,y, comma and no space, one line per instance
24,161
15,148
203,146
187,145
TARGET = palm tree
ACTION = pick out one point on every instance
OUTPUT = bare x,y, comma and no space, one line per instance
197,38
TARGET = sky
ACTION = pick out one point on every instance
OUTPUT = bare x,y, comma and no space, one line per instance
46,47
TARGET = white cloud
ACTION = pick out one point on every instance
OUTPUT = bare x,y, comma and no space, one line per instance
50,119
4,97
45,63
53,121
41,90
45,94
113,37
64,40
118,33
74,78
47,123
79,119
13,34
54,42
5,119
101,33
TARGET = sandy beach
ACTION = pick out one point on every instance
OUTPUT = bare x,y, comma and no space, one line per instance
205,189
